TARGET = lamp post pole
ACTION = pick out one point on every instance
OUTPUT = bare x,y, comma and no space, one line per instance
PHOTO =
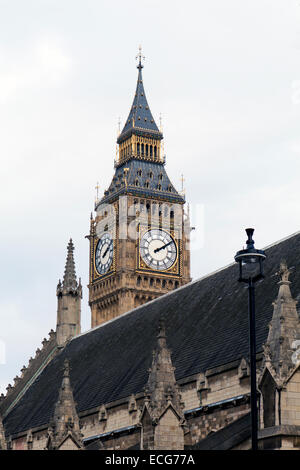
254,414
251,260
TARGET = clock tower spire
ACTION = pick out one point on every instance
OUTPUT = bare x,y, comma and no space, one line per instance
139,239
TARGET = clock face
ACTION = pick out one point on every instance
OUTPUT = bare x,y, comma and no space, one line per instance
158,249
104,253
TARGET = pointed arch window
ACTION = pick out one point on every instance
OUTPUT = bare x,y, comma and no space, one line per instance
268,391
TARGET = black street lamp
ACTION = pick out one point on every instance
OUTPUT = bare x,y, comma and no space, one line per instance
251,270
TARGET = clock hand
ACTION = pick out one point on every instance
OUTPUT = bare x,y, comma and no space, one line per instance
104,254
162,247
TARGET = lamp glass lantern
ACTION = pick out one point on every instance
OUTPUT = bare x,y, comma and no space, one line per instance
250,261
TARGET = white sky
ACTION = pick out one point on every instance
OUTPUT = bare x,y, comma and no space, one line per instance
224,75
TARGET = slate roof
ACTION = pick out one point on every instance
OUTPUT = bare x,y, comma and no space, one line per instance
206,324
140,119
228,437
141,183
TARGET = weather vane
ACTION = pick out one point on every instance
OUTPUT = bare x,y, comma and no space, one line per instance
97,191
182,181
141,57
160,122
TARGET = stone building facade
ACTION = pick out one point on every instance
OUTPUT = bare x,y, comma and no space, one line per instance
170,374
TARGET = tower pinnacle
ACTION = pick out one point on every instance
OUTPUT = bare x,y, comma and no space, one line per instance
69,280
69,294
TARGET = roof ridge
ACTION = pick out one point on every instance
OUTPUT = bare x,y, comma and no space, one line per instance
281,240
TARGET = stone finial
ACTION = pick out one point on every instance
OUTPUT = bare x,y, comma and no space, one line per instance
16,380
65,420
51,334
132,405
284,271
243,369
102,415
284,292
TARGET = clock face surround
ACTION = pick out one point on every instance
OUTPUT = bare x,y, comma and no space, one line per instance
104,254
158,249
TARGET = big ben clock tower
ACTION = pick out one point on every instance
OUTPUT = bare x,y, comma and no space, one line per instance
139,238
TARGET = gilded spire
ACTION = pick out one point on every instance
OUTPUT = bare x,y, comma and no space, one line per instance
140,120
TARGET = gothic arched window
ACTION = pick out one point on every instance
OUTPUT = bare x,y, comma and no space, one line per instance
268,391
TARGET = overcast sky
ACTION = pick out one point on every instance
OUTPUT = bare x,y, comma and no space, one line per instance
225,75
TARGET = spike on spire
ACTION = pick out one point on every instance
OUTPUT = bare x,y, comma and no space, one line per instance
140,57
69,280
